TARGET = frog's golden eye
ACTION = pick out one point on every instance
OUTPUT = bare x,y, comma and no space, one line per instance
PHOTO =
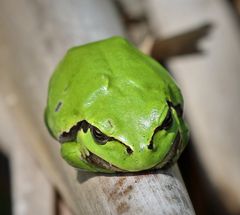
102,139
98,136
178,108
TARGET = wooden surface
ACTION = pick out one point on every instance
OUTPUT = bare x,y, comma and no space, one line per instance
29,183
37,34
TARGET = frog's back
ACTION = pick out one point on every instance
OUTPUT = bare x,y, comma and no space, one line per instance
113,75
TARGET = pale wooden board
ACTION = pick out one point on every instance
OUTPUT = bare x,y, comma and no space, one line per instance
32,193
210,84
38,35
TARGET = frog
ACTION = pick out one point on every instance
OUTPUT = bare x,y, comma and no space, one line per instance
115,109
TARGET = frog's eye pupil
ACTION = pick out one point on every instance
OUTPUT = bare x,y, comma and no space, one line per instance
167,121
178,108
98,136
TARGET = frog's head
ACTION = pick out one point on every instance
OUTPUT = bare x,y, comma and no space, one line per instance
113,108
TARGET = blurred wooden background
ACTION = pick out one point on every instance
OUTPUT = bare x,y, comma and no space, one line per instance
35,34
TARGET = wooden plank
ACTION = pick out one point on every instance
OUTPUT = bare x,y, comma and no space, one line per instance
32,192
29,184
210,84
38,34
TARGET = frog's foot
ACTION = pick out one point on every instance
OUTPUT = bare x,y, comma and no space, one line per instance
99,162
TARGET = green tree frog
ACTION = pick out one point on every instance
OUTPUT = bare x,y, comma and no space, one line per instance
115,109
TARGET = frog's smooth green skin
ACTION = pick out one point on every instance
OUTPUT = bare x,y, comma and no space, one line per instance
115,109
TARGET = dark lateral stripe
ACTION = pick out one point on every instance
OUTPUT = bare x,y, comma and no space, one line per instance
71,135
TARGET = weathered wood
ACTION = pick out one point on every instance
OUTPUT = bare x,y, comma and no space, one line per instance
38,35
210,84
29,184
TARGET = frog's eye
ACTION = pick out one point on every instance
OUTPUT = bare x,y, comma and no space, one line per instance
98,136
102,139
167,121
178,108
